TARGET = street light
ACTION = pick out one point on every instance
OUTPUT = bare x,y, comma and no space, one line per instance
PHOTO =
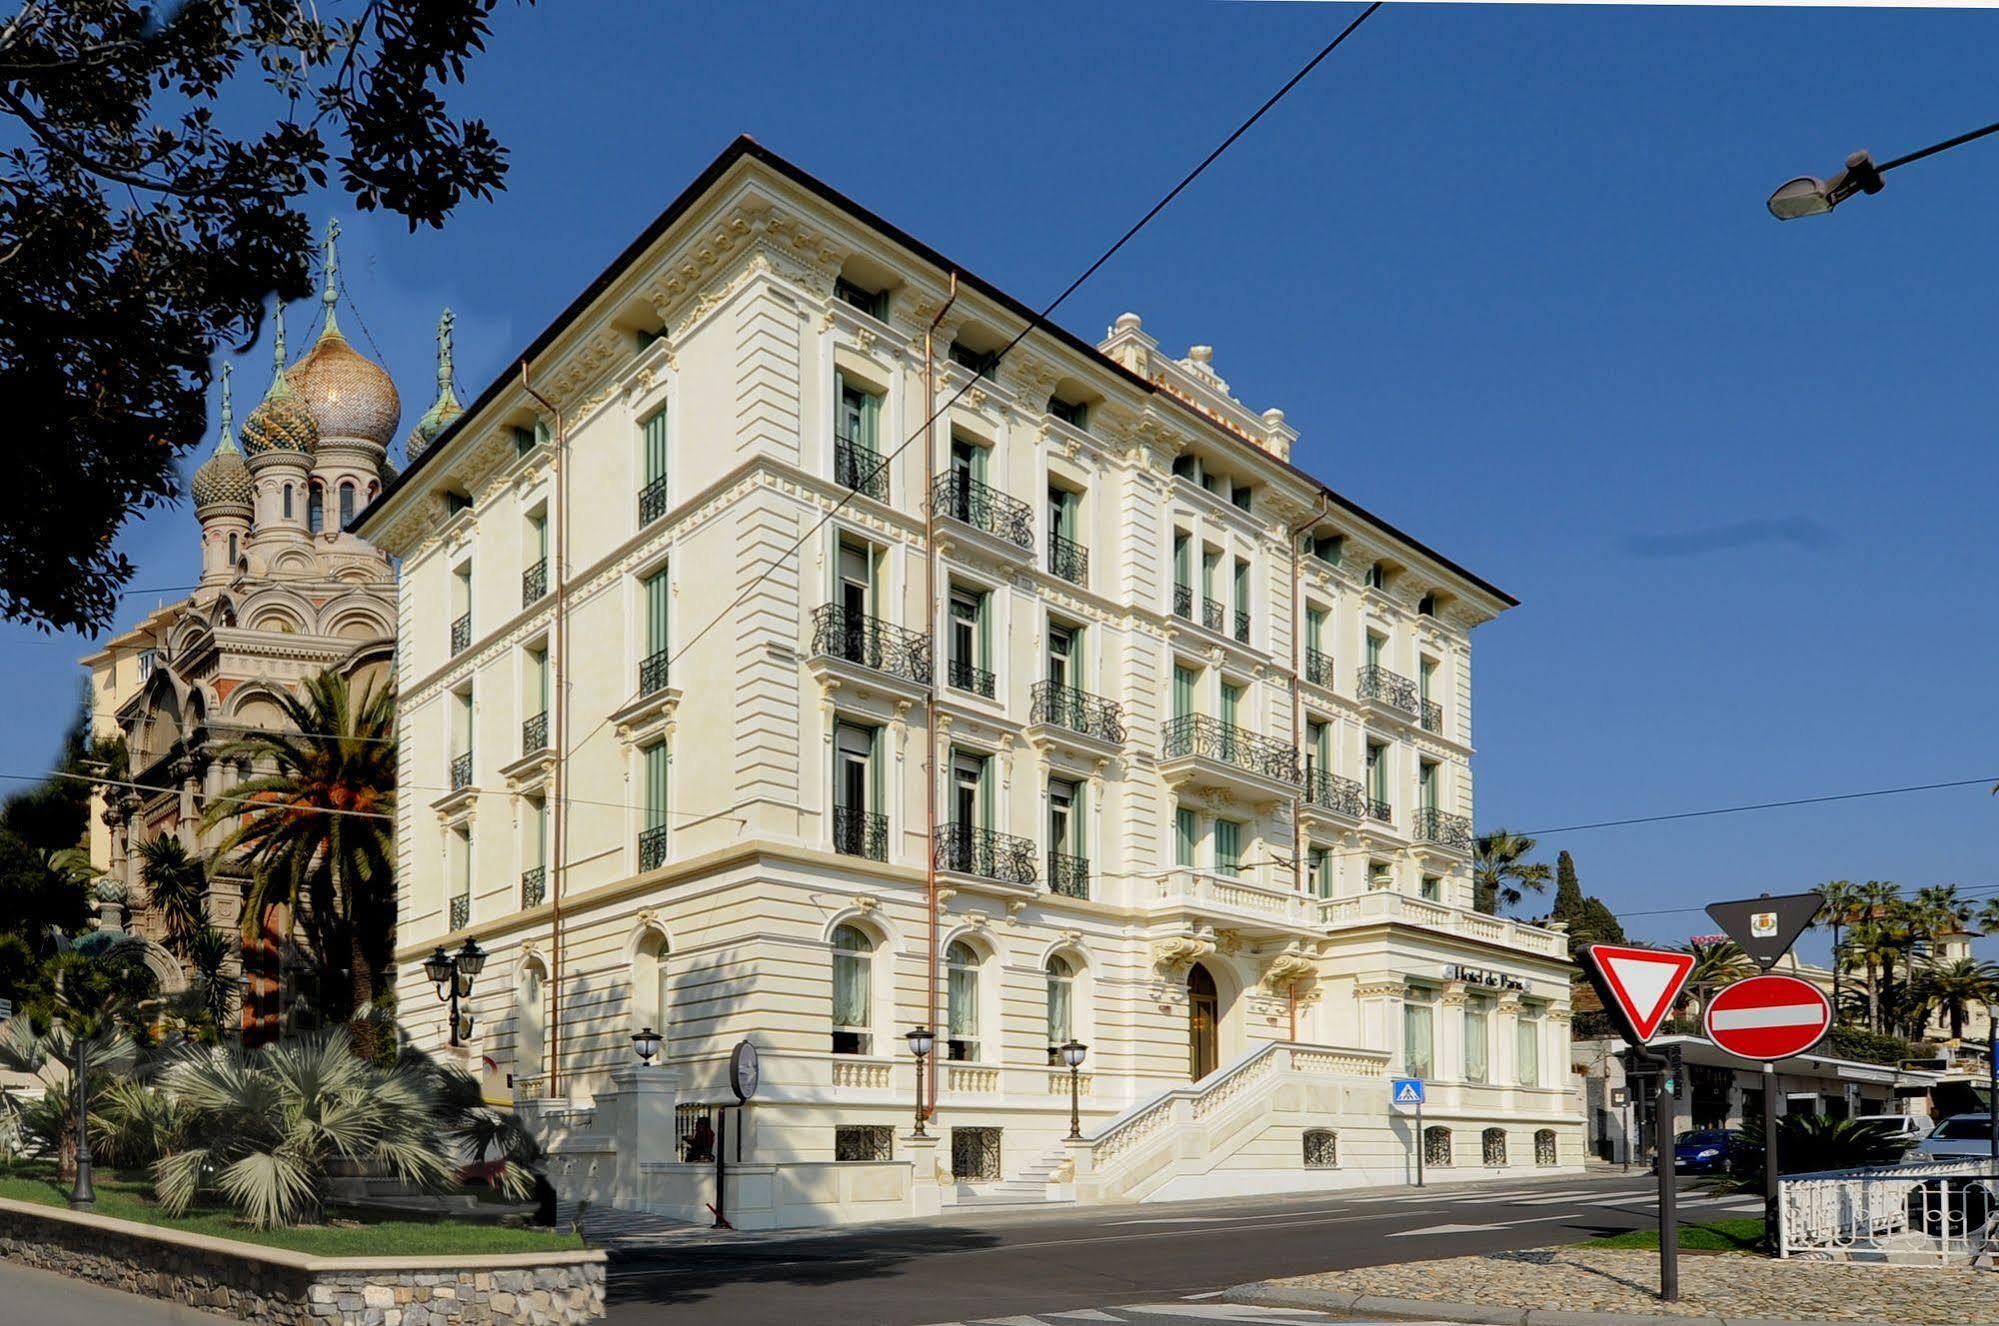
453,974
921,1042
1072,1055
646,1042
1808,196
83,1196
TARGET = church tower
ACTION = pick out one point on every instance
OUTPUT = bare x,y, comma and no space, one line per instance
224,494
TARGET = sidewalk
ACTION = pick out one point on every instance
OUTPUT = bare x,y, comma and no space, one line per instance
1618,1287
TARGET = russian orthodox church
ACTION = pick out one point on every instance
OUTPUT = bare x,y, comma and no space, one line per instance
284,593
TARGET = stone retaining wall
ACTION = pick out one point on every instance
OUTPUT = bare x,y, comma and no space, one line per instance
263,1284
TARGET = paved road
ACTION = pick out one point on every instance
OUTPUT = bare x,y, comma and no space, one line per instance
1131,1262
46,1299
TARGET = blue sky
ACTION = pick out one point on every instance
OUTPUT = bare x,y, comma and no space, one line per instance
1506,268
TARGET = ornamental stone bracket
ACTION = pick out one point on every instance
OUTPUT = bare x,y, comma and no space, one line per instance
1287,969
650,716
1174,954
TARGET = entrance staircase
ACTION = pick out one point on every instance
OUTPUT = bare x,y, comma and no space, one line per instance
1027,1188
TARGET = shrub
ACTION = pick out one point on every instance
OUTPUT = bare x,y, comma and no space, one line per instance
1807,1144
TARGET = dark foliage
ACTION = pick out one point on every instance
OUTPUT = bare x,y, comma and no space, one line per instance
1808,1144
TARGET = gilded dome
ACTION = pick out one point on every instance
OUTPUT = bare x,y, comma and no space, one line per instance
446,407
280,423
223,479
348,395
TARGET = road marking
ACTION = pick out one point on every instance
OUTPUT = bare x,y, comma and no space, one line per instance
1196,1298
1219,1311
1452,1229
1082,1314
1009,1321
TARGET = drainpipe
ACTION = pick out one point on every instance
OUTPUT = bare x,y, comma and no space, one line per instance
1298,702
559,776
930,701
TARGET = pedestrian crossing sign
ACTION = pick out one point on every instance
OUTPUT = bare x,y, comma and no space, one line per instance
1406,1091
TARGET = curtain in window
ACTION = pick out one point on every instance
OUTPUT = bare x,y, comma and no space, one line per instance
1315,628
1418,1039
1060,1018
1477,1042
1528,1033
963,994
850,978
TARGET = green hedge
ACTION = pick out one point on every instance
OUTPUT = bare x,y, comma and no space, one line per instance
1870,1047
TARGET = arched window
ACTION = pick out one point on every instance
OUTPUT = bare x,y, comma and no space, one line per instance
529,1015
1544,1146
1436,1145
232,550
288,501
650,1004
1322,1148
1061,1006
346,503
1493,1146
315,508
962,995
853,985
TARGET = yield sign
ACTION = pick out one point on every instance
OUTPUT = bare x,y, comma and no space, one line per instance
1768,1017
1766,927
1637,985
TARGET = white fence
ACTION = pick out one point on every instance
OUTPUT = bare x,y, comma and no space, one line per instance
1933,1213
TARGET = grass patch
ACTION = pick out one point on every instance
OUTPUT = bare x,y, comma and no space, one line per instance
1744,1235
348,1232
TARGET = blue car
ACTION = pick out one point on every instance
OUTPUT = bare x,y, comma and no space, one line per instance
1703,1150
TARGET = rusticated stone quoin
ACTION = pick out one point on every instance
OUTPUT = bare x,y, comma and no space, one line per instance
295,1289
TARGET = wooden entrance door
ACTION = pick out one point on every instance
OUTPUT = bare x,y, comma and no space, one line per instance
1203,1013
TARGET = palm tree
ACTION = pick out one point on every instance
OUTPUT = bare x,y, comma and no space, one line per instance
1841,908
1501,874
209,997
178,887
315,831
1953,988
1939,913
1875,932
1718,964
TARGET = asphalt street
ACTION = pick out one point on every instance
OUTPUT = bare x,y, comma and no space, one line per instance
1150,1263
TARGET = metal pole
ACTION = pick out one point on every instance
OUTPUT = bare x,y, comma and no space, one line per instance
1669,1216
1770,1155
721,1143
919,1097
1992,1082
83,1196
1075,1103
1417,1142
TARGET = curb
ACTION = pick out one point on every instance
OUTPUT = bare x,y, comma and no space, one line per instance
1270,1294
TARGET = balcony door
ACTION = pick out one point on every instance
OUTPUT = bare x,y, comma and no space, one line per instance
1062,656
1203,1023
857,580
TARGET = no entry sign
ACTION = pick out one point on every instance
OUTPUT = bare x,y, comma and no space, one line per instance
1768,1017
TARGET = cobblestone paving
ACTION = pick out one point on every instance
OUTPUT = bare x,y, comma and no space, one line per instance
1729,1285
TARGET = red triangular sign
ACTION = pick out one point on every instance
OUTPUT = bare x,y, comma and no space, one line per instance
1638,984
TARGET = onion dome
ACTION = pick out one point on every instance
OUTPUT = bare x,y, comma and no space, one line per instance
280,424
446,407
223,479
349,395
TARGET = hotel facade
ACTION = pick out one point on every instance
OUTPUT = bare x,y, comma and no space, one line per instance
738,704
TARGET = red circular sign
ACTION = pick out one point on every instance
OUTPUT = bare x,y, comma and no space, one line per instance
1768,1017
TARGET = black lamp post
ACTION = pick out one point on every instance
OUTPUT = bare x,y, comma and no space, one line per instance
453,974
921,1042
1808,196
84,1195
1072,1055
646,1043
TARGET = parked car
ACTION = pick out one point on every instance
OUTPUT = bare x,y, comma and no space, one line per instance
1703,1150
1960,1137
1903,1127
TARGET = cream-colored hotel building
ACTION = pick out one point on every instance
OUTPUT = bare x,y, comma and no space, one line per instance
681,623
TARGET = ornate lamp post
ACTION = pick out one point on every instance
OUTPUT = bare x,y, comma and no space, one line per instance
921,1042
1072,1055
84,1195
453,974
646,1042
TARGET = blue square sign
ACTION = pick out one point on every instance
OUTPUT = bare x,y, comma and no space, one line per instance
1405,1091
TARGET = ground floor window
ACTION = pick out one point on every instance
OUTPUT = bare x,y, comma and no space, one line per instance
1493,1143
695,1127
1436,1146
975,1155
1544,1146
1322,1149
863,1141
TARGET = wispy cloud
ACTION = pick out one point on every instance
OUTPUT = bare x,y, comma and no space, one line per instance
1797,531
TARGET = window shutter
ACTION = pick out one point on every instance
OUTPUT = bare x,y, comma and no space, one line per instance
655,445
656,608
871,408
655,771
877,778
985,659
1183,837
1183,692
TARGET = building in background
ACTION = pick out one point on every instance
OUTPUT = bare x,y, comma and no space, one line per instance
683,621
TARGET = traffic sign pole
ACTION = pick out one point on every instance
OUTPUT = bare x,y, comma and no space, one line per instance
1669,1215
1419,1141
1770,1156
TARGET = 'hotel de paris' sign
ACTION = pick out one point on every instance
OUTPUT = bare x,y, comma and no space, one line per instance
1480,976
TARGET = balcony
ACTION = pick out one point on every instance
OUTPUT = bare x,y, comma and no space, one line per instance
860,468
1433,717
534,583
652,501
860,833
1063,713
652,848
534,886
1068,559
1378,685
1380,811
1240,903
1387,906
461,771
534,734
652,671
461,634
1183,601
965,677
1443,829
986,853
1068,875
1214,614
1319,668
881,649
1331,794
461,911
1241,627
983,507
1206,752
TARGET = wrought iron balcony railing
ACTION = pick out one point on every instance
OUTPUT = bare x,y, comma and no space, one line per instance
1068,875
1198,734
652,848
1242,626
534,886
1380,810
1390,688
1214,614
1183,601
461,633
1433,716
861,468
1443,828
986,852
1079,711
1329,791
1319,668
461,911
871,642
534,734
965,499
1068,559
534,583
860,833
652,501
967,677
461,771
652,672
